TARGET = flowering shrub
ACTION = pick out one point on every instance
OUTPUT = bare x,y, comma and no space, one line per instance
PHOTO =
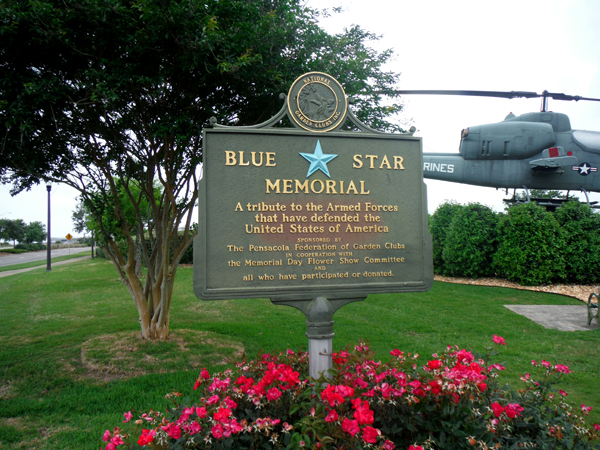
452,401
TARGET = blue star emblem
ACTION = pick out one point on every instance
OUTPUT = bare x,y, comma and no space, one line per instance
318,161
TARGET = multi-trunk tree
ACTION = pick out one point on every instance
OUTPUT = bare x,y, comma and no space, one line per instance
110,97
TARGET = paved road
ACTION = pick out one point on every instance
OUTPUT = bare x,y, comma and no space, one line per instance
40,256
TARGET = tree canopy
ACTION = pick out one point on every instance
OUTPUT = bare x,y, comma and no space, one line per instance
110,96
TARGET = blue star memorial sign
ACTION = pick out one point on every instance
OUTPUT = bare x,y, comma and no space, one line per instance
318,161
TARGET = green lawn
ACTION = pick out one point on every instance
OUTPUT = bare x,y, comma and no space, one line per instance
72,361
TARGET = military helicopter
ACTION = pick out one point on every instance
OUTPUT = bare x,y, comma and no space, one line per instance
537,150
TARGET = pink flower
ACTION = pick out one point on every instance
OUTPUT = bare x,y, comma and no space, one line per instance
110,446
388,445
585,409
217,431
396,353
562,368
533,362
194,427
201,412
212,400
563,393
370,434
273,394
204,374
596,427
116,440
415,447
546,364
174,431
332,416
128,416
350,426
230,403
106,436
498,340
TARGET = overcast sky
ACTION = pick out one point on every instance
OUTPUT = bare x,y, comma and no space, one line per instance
510,45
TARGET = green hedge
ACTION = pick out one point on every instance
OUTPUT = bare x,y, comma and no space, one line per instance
31,247
471,242
526,244
15,251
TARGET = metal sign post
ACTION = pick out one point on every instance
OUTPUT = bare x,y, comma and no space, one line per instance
311,217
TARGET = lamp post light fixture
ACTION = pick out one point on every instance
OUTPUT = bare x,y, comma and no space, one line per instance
48,188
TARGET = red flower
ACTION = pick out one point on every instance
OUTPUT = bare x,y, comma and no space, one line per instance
415,447
370,434
146,437
434,364
222,415
204,374
350,426
596,427
201,412
513,409
363,414
498,409
482,386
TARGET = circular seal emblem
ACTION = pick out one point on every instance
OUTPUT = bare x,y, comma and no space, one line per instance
317,102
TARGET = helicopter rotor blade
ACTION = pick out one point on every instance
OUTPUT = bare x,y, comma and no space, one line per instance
499,94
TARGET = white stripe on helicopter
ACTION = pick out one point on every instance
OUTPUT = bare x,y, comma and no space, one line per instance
433,167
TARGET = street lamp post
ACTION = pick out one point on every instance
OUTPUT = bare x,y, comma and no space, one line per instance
48,188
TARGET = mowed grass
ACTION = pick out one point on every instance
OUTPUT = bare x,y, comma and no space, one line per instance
72,362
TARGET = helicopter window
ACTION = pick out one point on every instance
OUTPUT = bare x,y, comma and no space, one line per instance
589,139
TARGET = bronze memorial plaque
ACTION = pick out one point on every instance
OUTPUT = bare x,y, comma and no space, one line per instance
293,214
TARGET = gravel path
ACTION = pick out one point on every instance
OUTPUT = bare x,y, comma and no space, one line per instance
580,292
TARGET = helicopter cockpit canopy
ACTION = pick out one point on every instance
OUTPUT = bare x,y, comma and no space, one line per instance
589,139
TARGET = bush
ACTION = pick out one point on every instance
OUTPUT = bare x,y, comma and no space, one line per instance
581,249
439,224
530,246
453,401
470,242
14,251
33,247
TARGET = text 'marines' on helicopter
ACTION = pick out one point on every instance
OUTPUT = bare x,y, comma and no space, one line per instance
536,150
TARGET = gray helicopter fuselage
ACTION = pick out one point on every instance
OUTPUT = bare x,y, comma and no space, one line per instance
536,150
